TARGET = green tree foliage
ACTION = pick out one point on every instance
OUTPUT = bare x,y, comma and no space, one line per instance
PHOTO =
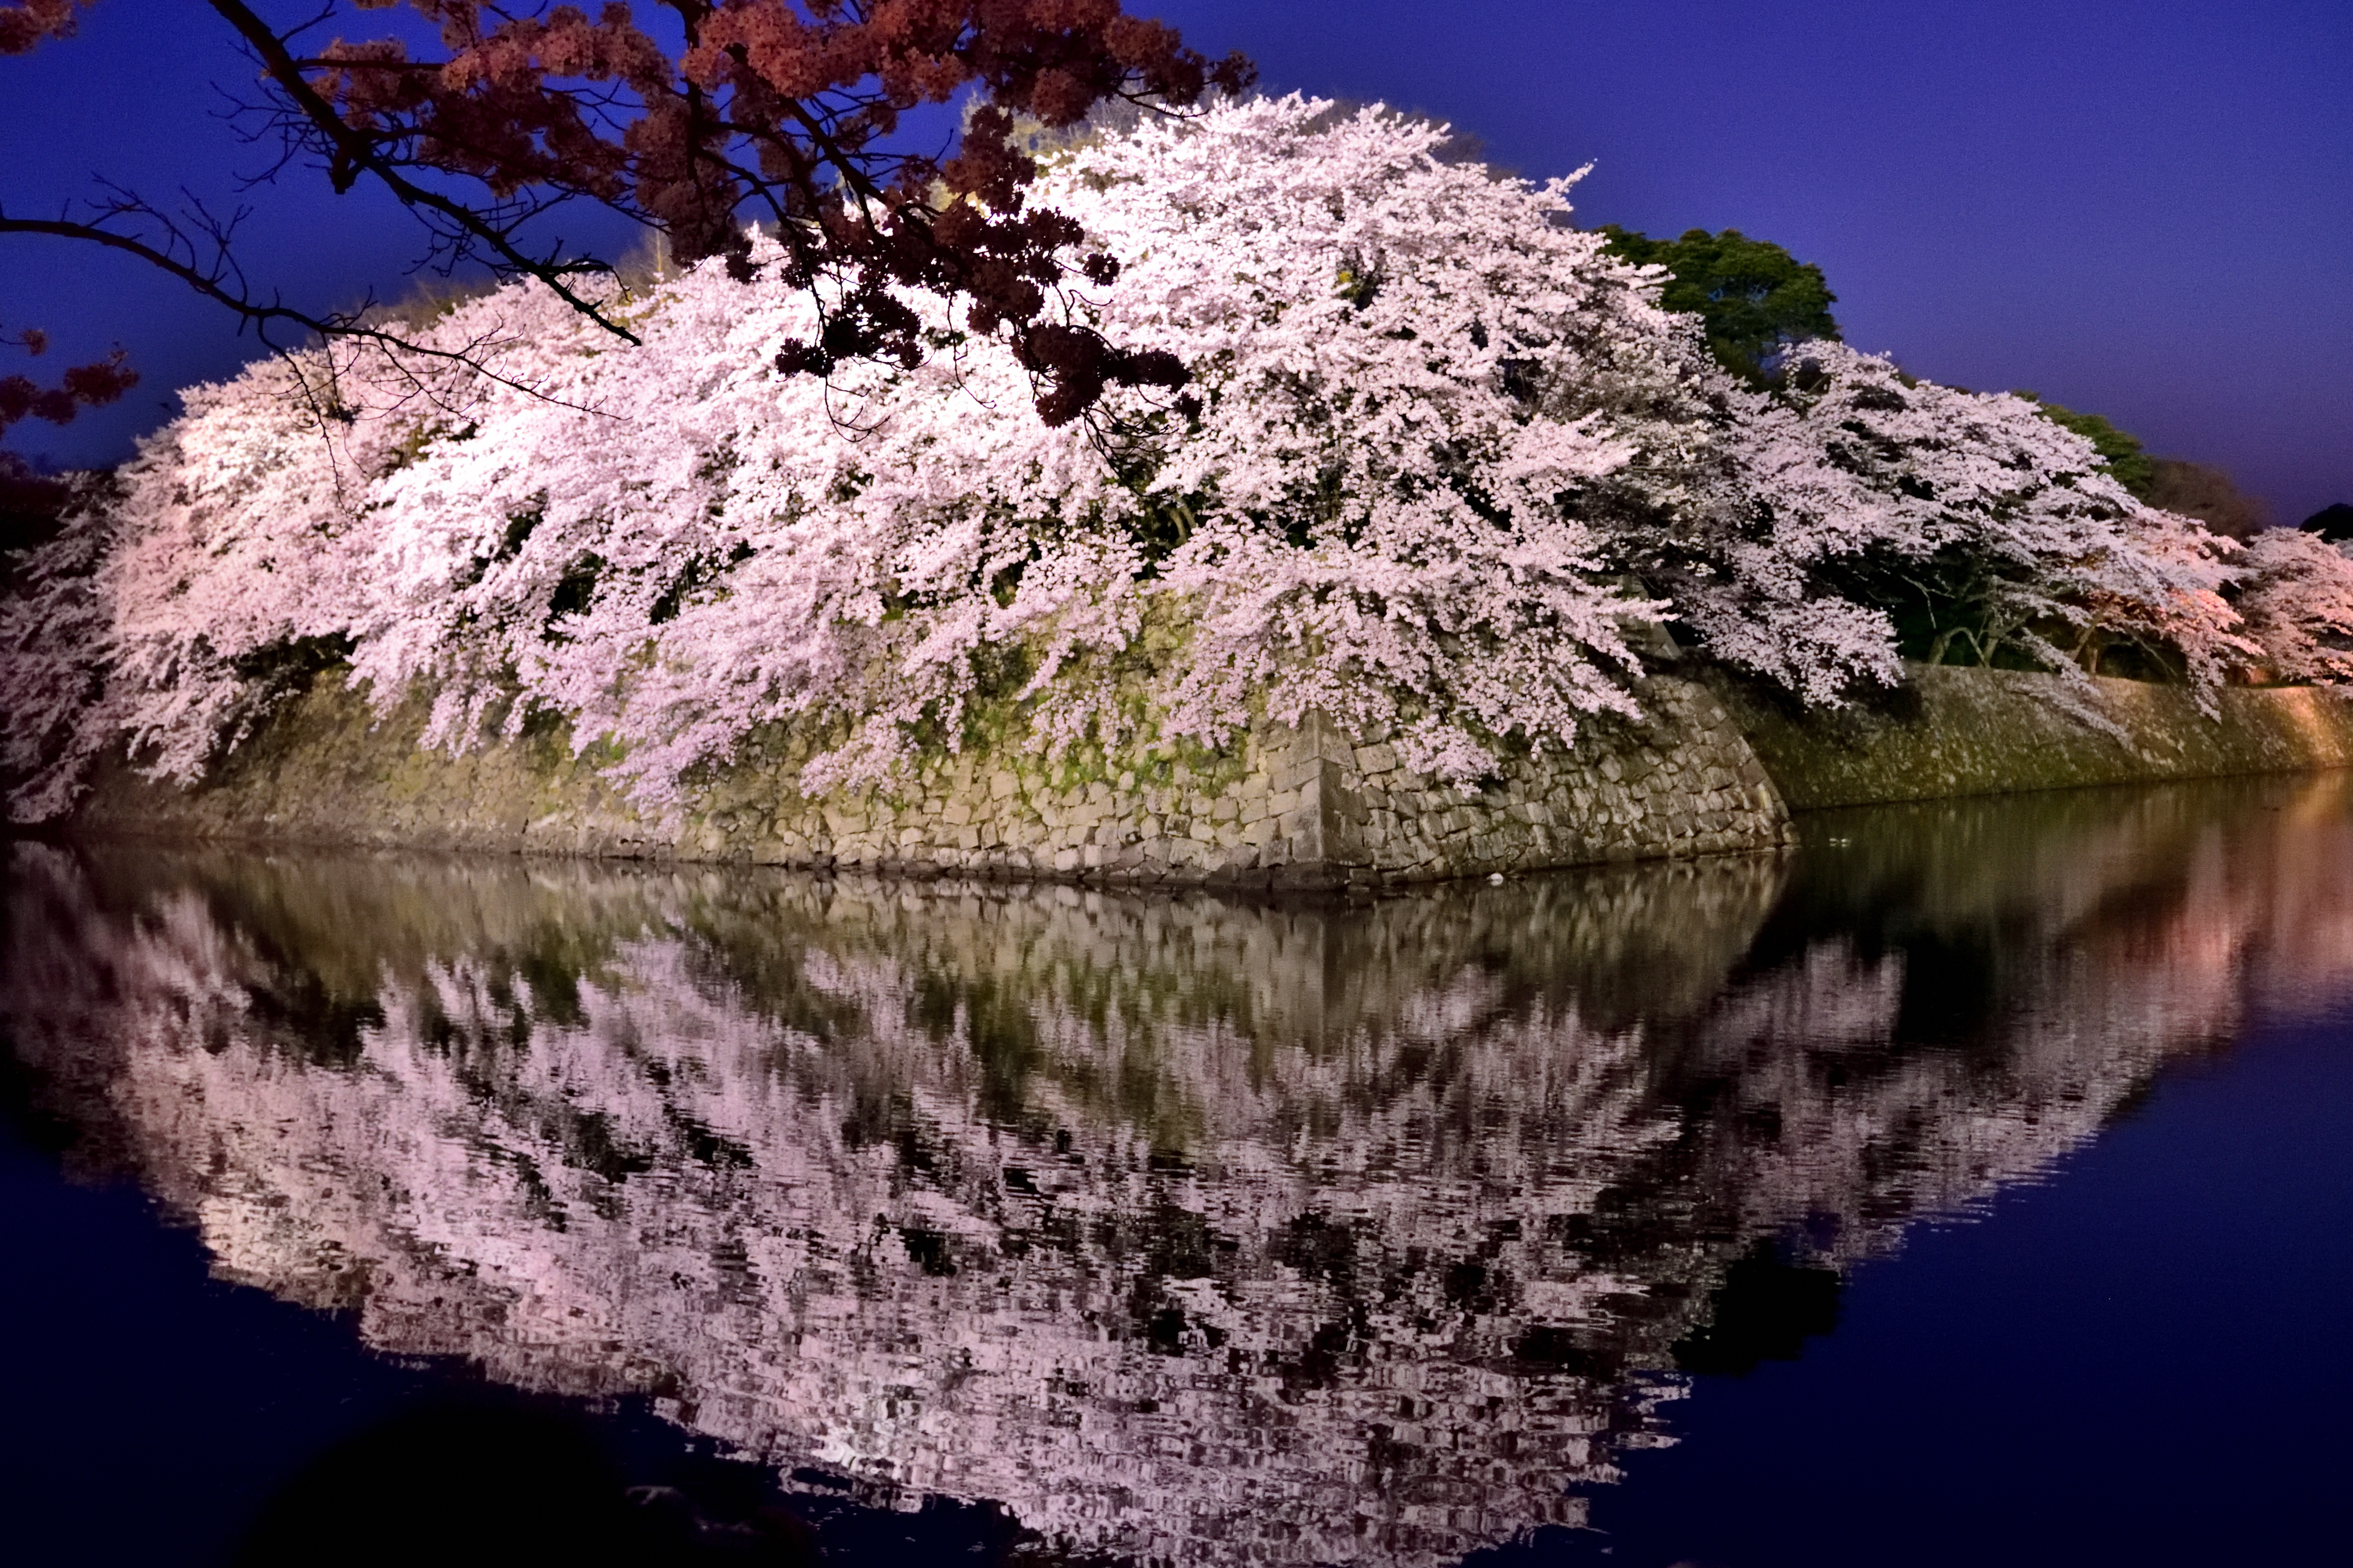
2133,467
1756,298
2174,484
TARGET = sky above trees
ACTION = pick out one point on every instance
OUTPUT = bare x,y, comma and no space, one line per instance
2134,208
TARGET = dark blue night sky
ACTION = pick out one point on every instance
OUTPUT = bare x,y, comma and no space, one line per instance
2142,208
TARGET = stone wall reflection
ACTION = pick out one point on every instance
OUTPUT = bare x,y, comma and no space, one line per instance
1189,1230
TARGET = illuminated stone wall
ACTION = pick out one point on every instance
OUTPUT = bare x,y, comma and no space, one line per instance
1977,732
1715,768
1307,809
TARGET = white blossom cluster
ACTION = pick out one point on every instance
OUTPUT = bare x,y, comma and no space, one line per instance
1439,454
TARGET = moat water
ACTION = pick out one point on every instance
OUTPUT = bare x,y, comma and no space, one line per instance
1973,1183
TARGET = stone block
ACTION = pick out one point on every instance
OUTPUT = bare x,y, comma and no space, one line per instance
1296,773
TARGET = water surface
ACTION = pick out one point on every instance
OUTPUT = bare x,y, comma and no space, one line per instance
1171,1229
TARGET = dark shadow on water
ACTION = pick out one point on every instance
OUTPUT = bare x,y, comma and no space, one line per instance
1765,1310
497,1482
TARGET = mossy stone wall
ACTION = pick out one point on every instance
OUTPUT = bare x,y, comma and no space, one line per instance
1713,767
1307,808
1976,732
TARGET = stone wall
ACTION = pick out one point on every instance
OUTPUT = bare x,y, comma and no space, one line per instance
1976,732
1715,768
1309,808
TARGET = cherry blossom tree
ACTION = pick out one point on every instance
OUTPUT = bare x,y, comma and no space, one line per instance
63,712
2000,530
2298,604
1353,505
483,120
30,501
90,385
1435,453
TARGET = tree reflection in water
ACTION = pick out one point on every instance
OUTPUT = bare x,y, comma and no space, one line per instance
1186,1229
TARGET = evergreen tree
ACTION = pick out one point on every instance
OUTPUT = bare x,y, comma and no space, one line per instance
1756,298
2133,467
